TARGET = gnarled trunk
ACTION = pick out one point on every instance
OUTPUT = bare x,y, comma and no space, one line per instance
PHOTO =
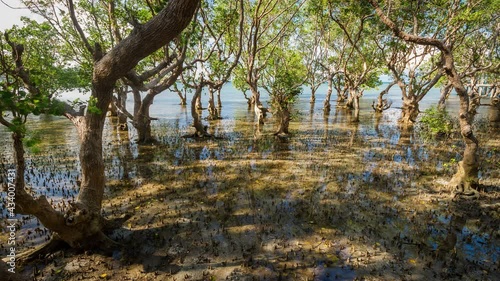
356,108
465,181
383,104
410,111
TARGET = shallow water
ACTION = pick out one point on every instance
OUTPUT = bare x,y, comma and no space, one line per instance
336,201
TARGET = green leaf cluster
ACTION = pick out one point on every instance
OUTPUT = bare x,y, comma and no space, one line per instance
285,76
436,122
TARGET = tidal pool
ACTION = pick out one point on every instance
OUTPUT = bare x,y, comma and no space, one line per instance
336,201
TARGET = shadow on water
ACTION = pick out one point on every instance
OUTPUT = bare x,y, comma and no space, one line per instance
338,200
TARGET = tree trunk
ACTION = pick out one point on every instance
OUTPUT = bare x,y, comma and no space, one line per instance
383,104
465,181
197,124
445,93
198,104
219,102
183,100
341,98
356,107
313,94
213,113
284,115
122,118
326,104
494,113
142,120
410,111
113,111
260,111
81,226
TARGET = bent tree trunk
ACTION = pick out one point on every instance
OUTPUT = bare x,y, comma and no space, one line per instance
383,104
260,111
81,226
198,104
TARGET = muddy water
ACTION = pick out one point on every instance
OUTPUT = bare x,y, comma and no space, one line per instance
336,201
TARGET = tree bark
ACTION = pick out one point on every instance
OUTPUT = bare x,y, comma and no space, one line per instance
326,105
494,113
409,111
213,113
219,102
444,94
195,113
313,94
142,120
383,104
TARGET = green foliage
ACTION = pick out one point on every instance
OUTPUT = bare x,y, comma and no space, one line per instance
92,106
284,77
436,122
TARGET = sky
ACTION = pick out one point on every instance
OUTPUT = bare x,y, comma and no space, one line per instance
11,12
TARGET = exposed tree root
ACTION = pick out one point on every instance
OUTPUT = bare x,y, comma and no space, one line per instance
43,251
463,187
110,225
7,275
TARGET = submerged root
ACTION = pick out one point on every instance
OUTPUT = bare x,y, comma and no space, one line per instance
197,135
470,194
462,186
